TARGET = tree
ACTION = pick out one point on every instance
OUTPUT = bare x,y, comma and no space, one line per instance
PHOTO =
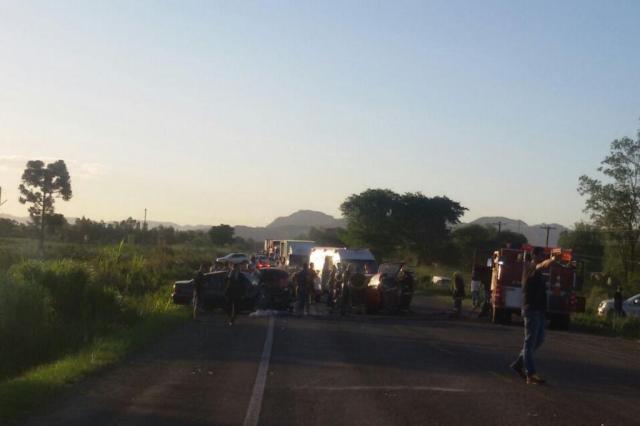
221,234
482,241
474,239
327,236
424,224
387,222
586,242
508,238
371,220
40,187
8,227
614,204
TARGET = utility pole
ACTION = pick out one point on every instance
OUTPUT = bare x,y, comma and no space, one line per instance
499,223
547,228
1,202
144,224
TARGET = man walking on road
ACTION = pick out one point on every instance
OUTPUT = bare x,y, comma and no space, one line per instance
234,292
534,308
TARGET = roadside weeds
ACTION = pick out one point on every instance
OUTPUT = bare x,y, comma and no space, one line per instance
32,391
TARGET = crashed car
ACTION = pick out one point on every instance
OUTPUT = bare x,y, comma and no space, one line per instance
213,291
389,290
276,290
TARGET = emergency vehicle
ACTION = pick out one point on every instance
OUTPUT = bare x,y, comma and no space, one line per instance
562,279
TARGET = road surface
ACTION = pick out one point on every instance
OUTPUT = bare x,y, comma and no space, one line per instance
422,369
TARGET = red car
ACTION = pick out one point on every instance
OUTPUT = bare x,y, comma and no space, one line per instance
262,261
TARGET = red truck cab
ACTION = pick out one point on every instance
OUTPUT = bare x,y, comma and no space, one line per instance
562,279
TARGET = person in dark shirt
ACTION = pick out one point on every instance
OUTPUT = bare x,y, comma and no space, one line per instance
358,286
534,308
458,293
406,282
234,292
198,282
301,280
617,302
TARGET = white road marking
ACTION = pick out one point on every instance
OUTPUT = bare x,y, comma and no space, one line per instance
381,388
255,403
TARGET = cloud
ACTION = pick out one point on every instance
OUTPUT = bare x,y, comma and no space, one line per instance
76,168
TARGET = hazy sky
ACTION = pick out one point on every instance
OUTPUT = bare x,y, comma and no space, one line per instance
237,112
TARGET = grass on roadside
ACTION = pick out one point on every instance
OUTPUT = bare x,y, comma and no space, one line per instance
627,327
22,395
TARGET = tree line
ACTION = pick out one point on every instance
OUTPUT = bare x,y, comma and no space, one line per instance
413,227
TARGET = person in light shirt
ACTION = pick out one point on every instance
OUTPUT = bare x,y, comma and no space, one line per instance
475,292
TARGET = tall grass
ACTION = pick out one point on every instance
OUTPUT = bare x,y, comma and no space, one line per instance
50,308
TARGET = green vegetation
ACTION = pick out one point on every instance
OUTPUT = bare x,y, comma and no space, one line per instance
409,224
40,187
77,307
614,205
622,327
21,395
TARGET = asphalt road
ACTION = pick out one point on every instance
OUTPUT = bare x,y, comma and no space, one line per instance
423,369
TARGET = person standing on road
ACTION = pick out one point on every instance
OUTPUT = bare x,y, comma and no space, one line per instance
234,292
458,293
617,302
198,285
358,286
475,292
345,294
314,281
406,283
534,308
301,280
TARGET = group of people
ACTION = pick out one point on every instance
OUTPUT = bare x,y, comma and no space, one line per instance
344,286
458,294
234,289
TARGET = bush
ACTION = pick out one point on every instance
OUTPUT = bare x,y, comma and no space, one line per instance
50,308
625,327
74,295
26,325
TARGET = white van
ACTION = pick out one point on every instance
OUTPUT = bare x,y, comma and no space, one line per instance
344,256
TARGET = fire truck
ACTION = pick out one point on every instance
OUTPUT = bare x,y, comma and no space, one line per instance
563,279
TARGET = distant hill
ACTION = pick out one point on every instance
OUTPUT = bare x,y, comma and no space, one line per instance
290,227
534,233
308,218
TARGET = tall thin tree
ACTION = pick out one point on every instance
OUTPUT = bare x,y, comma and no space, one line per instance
40,186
